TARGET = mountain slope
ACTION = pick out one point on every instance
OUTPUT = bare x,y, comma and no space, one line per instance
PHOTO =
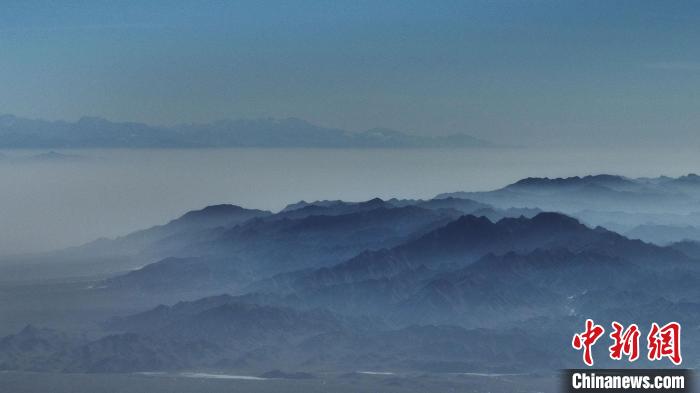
266,246
161,239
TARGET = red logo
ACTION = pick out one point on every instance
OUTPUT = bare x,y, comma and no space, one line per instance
626,342
665,342
662,342
586,339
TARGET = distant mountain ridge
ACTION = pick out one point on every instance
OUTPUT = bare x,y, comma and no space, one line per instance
602,192
95,132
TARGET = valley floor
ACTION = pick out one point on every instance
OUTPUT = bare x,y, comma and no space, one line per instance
21,382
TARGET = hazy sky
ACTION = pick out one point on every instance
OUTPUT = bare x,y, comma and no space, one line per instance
564,72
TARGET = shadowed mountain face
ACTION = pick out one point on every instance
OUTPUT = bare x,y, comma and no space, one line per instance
36,349
441,285
221,332
493,290
468,238
688,247
505,288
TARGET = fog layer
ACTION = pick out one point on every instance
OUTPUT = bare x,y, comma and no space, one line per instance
77,196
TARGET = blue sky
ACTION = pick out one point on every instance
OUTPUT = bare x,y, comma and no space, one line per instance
540,72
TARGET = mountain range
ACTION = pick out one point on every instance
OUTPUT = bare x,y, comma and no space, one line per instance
493,283
94,132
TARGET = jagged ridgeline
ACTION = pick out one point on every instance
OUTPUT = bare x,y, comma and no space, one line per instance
480,282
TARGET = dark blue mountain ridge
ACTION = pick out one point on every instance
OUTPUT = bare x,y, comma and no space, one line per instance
596,193
418,237
469,238
211,223
181,230
332,208
476,236
613,181
201,232
265,246
603,181
223,241
306,237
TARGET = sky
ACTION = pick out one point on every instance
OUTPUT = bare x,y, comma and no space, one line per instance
523,72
